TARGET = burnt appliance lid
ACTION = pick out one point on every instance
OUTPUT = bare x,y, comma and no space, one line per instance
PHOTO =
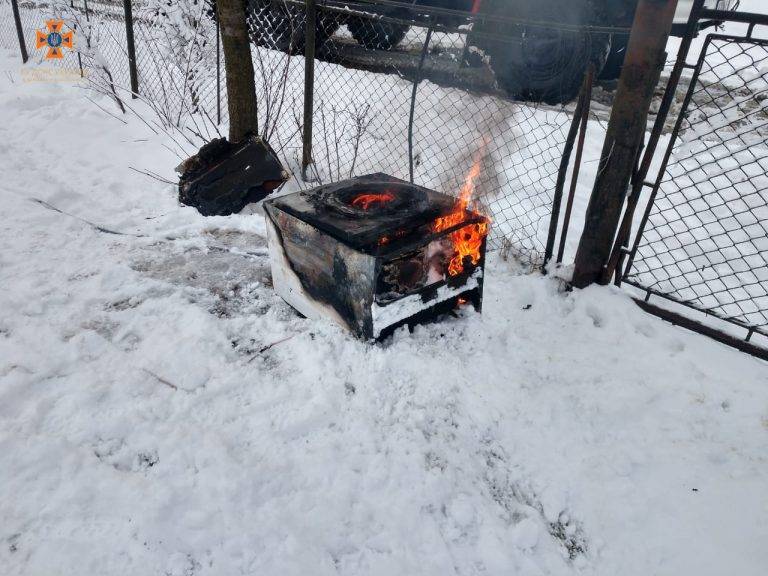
363,210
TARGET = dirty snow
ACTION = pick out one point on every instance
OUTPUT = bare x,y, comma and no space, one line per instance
162,412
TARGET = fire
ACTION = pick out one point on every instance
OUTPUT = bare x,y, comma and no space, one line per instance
467,241
365,201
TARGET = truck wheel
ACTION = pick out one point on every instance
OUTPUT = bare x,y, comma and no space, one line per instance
375,34
547,66
282,26
615,61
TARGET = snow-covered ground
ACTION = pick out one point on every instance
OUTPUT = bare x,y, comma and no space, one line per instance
162,412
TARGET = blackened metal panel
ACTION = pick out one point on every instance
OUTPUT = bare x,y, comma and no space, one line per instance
318,275
330,208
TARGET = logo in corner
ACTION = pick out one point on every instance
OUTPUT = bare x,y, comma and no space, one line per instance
54,39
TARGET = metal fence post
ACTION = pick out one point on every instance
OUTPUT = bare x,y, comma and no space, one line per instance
218,72
88,21
79,56
585,94
19,31
416,80
309,85
576,163
130,44
645,56
622,238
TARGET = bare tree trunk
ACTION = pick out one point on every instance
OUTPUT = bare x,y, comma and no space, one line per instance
241,87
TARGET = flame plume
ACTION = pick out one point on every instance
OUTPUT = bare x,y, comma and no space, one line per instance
467,241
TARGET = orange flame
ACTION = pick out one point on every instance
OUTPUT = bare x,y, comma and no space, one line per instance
365,201
467,241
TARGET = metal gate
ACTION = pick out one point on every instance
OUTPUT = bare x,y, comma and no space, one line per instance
703,239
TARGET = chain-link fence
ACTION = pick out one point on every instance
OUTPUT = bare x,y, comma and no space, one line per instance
396,89
703,241
420,102
8,37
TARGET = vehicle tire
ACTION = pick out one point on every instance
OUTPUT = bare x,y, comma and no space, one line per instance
375,34
547,66
615,61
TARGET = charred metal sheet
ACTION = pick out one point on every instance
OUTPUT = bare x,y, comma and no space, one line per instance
222,178
367,253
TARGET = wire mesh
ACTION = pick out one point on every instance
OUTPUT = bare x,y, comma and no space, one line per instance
8,37
177,62
705,243
395,91
277,51
34,17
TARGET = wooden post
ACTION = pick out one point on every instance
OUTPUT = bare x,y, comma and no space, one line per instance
620,247
646,53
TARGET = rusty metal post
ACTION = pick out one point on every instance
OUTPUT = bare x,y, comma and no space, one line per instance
19,31
309,86
415,87
576,164
646,53
620,248
585,94
131,46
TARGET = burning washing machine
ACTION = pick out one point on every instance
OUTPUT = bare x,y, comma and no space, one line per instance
374,252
